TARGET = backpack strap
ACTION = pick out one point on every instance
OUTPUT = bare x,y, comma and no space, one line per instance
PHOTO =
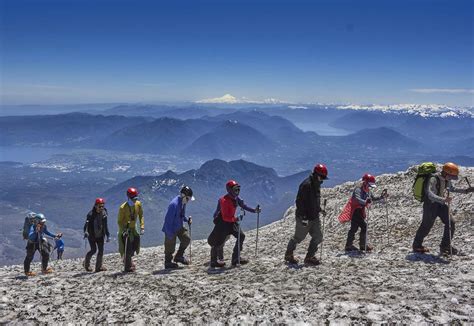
438,185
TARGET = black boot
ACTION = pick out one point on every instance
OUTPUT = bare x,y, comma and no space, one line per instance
447,251
170,265
351,248
290,258
179,258
217,264
98,264
87,264
243,261
312,261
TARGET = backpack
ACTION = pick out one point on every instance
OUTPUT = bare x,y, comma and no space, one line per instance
425,171
30,220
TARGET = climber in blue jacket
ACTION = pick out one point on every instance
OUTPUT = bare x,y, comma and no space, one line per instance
173,228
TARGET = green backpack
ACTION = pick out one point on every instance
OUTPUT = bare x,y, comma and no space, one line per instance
425,171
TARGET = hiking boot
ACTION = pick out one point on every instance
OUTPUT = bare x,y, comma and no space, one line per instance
351,248
102,269
421,250
243,261
313,261
171,265
181,259
290,259
29,274
369,248
86,266
217,264
446,251
48,270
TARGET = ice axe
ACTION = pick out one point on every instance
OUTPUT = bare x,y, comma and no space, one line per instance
324,219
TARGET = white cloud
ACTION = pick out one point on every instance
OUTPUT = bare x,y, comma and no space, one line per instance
443,90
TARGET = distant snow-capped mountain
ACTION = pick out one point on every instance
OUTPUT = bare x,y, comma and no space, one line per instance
229,99
424,110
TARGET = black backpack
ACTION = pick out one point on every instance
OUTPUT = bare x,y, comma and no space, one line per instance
30,220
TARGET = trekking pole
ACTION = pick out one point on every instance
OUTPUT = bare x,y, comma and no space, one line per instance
239,218
384,193
190,242
449,227
367,228
258,224
126,245
324,219
468,183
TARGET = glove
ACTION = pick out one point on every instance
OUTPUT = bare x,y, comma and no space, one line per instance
368,201
142,231
258,209
190,220
86,234
59,235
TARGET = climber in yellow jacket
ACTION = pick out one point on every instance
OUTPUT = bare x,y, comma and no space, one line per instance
129,238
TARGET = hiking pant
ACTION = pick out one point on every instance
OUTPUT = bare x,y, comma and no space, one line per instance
357,222
430,212
95,243
313,227
170,244
219,235
132,245
31,248
220,249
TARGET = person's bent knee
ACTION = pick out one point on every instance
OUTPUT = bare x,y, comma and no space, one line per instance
185,241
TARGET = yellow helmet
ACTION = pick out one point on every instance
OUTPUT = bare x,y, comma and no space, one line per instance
451,169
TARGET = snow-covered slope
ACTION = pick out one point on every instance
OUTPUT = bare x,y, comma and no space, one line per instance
390,285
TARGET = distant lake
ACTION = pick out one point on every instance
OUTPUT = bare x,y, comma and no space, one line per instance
322,129
29,154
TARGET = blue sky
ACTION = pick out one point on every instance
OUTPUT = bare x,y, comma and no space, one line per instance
72,51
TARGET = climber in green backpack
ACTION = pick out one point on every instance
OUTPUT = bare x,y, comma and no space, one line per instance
435,197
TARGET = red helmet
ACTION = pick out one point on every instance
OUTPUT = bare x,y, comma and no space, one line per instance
132,193
321,170
229,186
369,179
99,201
